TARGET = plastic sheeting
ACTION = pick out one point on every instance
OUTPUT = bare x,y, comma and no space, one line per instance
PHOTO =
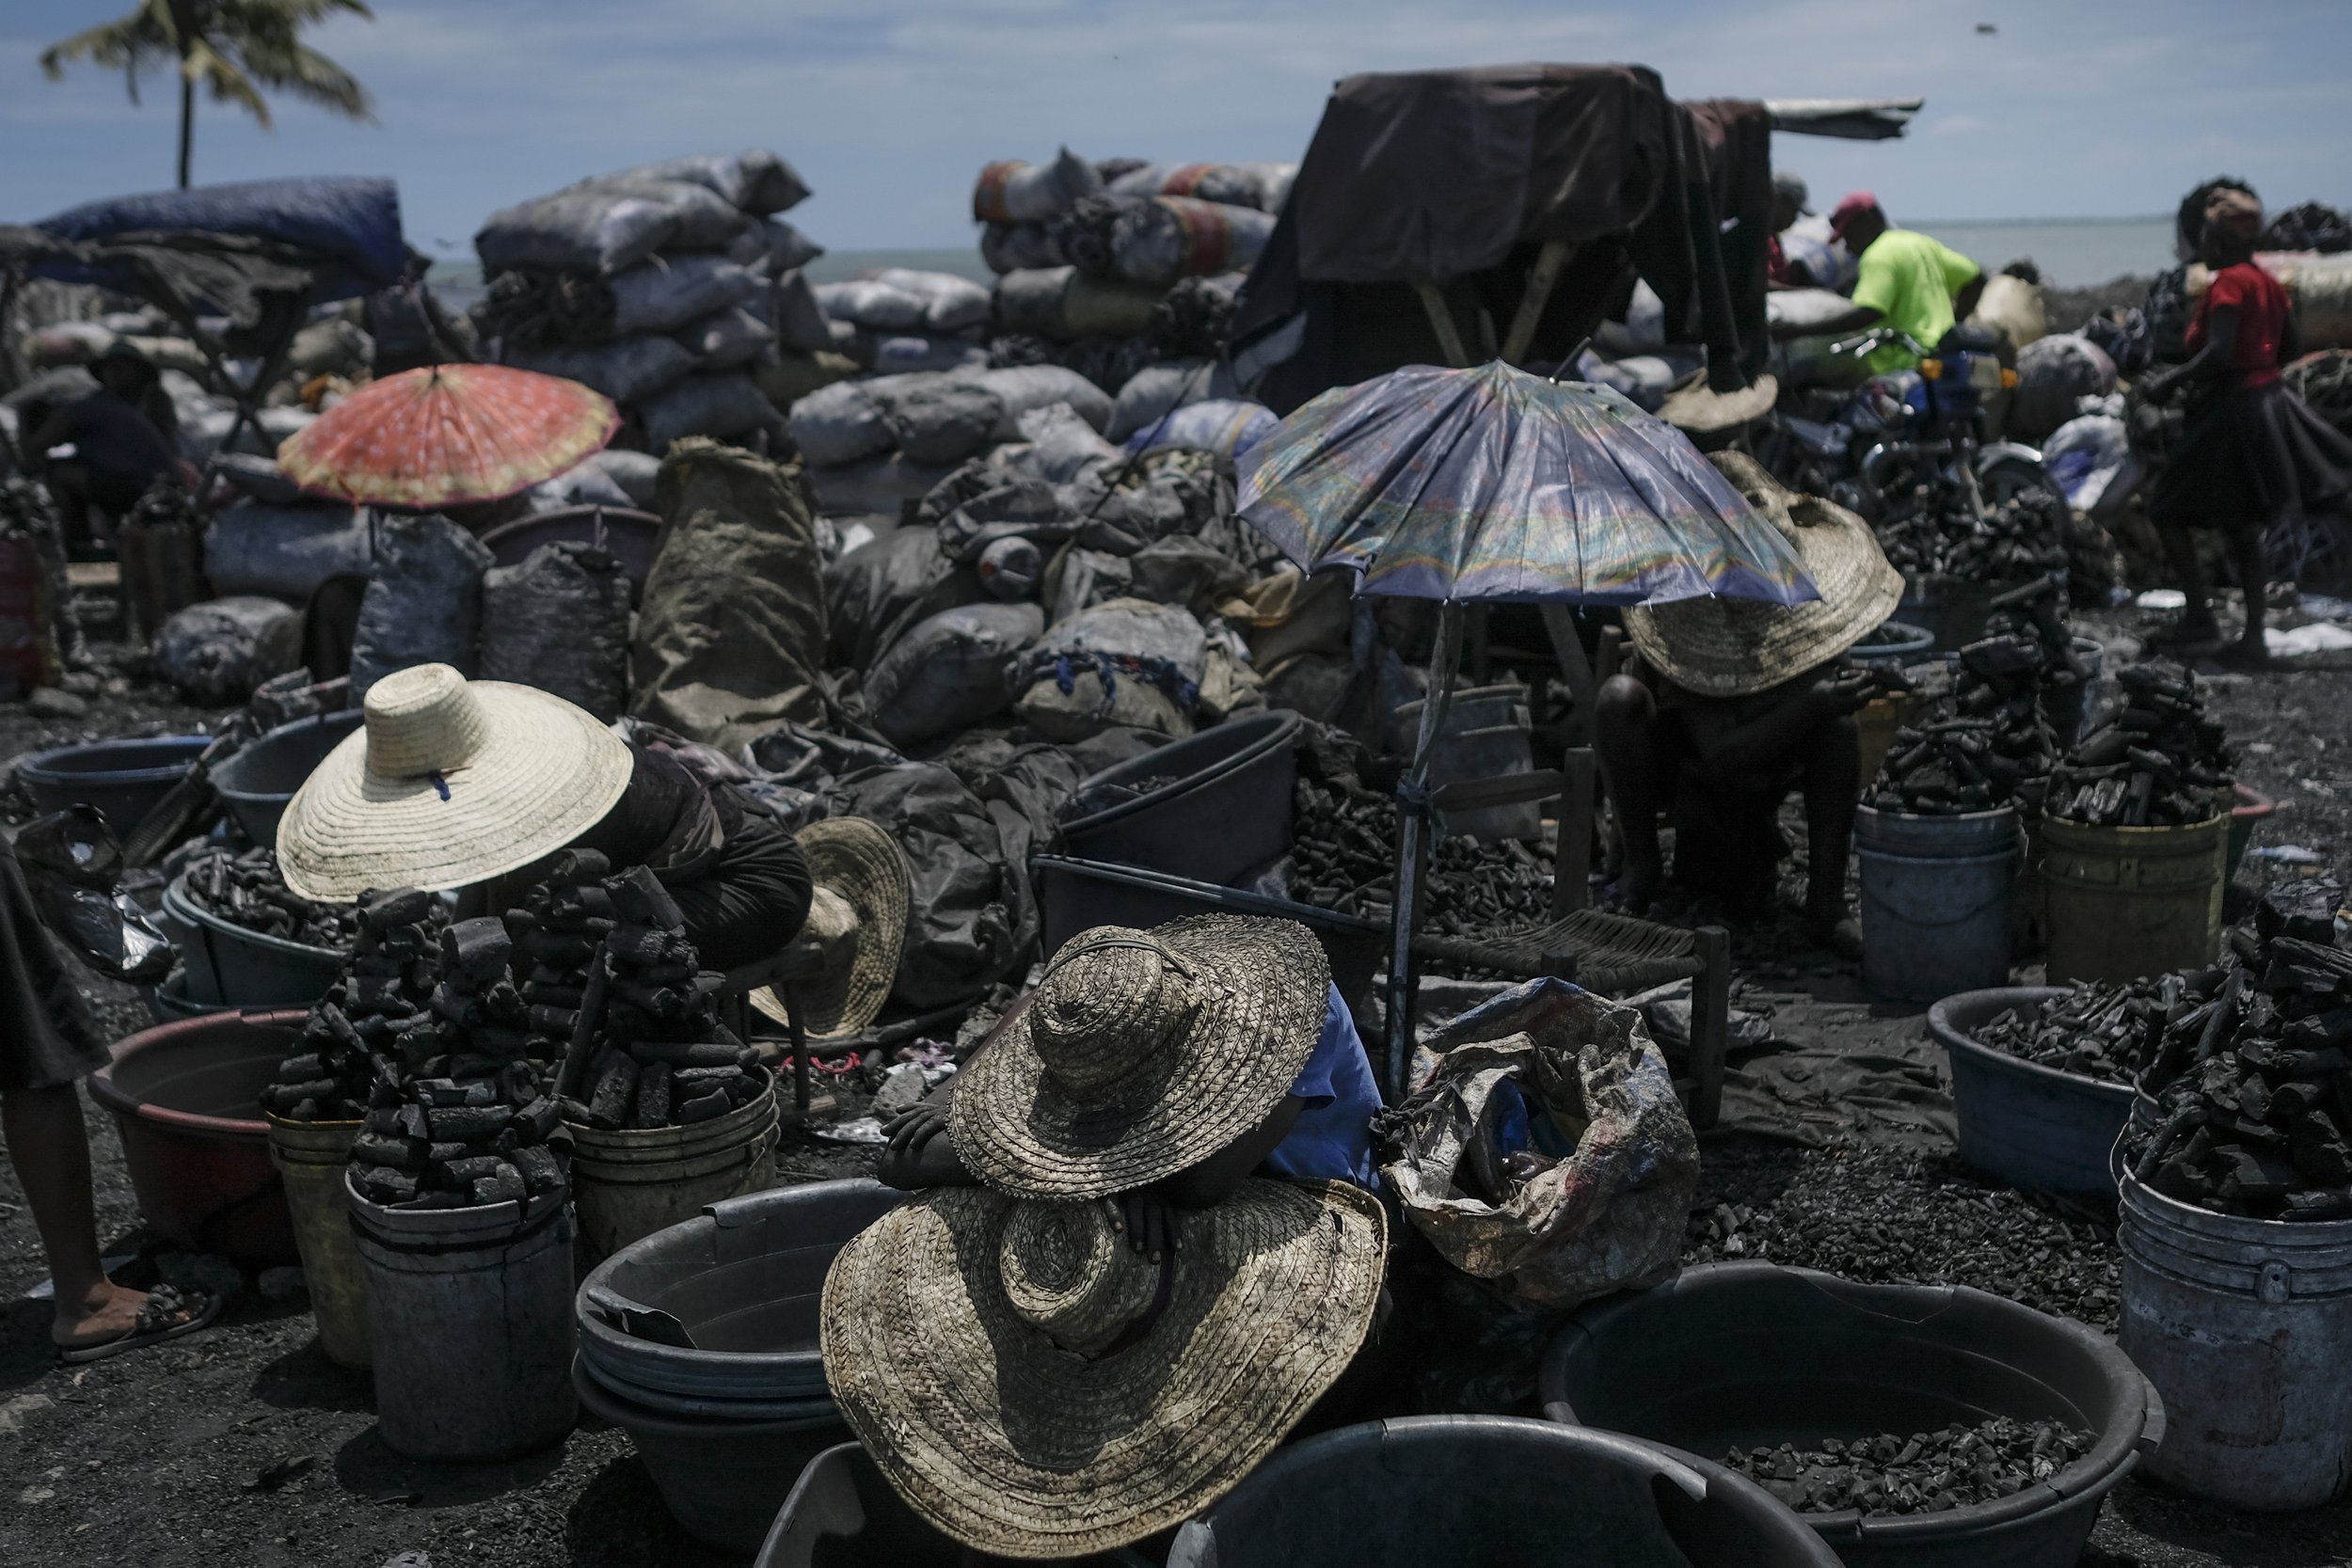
350,223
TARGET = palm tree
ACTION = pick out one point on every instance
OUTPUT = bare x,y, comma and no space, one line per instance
236,48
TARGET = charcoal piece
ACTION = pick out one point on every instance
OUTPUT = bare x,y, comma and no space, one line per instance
653,1096
571,866
2254,1175
450,1092
296,1070
707,1107
382,910
467,1123
554,996
662,1003
505,1185
315,1089
573,1111
703,1053
472,1168
2329,1204
639,897
541,1171
2305,910
436,1200
543,1115
383,1185
461,1008
385,1121
559,949
2319,1150
501,1045
640,946
555,1023
398,1153
613,1090
581,904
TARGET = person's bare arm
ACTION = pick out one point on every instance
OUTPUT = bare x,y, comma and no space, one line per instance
920,1153
2212,360
1965,302
55,431
1727,746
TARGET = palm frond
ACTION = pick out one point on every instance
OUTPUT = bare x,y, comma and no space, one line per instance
133,42
221,76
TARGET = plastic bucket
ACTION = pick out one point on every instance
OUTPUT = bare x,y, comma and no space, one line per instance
124,779
2249,810
470,1325
2246,1327
1952,611
169,998
2124,902
312,1158
2030,1125
186,1100
1471,1491
1936,898
742,1283
1220,807
1896,643
721,1478
1079,895
1747,1355
227,963
258,782
1485,736
627,1184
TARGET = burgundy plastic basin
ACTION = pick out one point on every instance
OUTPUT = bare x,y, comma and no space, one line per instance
186,1101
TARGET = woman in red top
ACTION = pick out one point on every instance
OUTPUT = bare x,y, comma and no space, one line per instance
2253,456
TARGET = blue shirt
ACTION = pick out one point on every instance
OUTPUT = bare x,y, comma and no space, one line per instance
1331,1140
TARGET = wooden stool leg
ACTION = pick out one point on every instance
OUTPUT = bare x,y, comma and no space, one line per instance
1572,854
799,1036
1710,1025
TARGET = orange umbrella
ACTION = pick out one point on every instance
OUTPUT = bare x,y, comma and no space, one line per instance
449,434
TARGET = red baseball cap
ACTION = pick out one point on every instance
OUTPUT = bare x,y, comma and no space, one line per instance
1850,207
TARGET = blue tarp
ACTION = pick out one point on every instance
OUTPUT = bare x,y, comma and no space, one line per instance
350,225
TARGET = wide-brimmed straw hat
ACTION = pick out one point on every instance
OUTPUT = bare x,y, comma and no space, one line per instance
448,783
1722,647
1699,408
857,922
1142,1052
1000,1360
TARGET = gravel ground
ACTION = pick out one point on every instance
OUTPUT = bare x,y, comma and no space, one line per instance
246,1446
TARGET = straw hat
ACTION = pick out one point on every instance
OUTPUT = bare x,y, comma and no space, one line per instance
1698,406
857,922
1722,648
448,783
1143,1052
996,1358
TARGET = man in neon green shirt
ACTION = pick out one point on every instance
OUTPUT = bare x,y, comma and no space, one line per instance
1915,283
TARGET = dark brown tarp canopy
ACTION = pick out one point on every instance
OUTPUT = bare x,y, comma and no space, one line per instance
1461,177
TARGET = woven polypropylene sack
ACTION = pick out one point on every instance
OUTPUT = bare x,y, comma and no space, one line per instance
559,620
949,673
1610,1214
423,602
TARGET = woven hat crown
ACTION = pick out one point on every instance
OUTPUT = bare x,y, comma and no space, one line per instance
1112,1000
423,720
1069,1274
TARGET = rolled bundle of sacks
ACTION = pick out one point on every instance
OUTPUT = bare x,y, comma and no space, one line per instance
897,320
673,288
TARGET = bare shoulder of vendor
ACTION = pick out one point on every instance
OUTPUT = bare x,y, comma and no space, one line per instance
1736,705
1160,1068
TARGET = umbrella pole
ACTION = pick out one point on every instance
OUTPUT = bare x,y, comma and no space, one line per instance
1413,830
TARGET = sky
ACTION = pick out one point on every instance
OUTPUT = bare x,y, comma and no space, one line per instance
2070,108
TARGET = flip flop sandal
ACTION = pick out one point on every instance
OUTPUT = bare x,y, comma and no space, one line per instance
153,1327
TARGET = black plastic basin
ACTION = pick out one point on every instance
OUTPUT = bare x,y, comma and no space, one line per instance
124,779
1214,807
259,783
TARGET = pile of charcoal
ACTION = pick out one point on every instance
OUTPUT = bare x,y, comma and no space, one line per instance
247,890
1993,748
375,1021
1883,1215
2160,761
559,931
2035,611
2108,1031
2022,536
1344,856
472,1129
666,1060
2253,1071
1927,1472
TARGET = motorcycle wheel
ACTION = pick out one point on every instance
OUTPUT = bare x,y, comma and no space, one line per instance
2007,477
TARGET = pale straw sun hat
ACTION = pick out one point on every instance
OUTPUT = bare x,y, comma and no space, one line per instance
1001,1360
448,783
1142,1052
1722,647
857,922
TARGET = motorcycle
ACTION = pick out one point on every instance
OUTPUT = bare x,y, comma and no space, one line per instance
1909,451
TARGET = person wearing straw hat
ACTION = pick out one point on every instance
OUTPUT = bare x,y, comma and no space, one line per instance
1735,703
1158,1068
1033,1389
454,784
860,893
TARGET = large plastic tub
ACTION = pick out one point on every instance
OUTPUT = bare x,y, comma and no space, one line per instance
124,779
226,963
1220,806
2030,1125
186,1100
1475,1490
1080,894
259,783
1746,1354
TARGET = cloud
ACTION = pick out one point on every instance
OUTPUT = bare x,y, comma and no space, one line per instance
889,106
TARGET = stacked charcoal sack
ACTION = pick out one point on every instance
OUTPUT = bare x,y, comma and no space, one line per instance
465,1120
673,288
665,1059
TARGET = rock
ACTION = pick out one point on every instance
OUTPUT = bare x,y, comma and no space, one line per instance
213,1275
82,683
284,1283
903,1089
51,702
13,1412
408,1559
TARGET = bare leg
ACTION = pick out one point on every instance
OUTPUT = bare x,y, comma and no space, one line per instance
2254,576
1625,740
2179,549
51,1152
1832,758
